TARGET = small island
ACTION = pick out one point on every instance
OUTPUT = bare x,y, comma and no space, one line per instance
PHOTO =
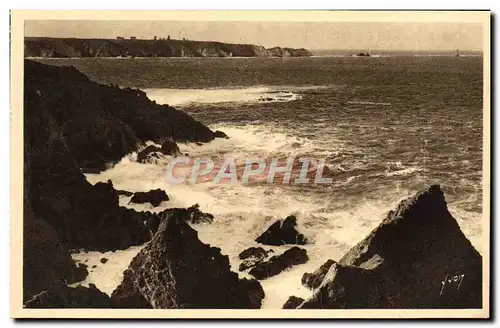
132,47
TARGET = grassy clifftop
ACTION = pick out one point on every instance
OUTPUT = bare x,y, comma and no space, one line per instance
71,47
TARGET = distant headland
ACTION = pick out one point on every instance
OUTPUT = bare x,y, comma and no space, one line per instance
156,47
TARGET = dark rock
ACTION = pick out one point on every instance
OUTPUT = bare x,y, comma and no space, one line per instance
293,302
104,260
61,296
251,257
278,263
45,259
124,193
313,280
253,252
191,214
282,233
169,147
100,123
349,288
176,270
94,266
148,154
83,215
220,134
416,258
71,48
154,197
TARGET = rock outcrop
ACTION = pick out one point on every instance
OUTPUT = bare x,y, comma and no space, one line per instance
60,296
149,154
276,264
313,280
282,233
70,47
100,123
252,256
154,197
416,258
45,259
293,302
73,124
177,271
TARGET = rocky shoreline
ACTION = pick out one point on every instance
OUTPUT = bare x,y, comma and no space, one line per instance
79,48
416,258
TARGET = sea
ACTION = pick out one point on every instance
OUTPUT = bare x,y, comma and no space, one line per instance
386,126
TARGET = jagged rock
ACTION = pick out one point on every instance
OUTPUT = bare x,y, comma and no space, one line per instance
104,260
416,258
154,197
191,214
148,154
278,263
176,270
45,259
169,147
293,302
252,256
220,134
349,287
282,233
313,280
61,296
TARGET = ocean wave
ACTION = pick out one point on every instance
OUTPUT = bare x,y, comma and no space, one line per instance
369,103
179,97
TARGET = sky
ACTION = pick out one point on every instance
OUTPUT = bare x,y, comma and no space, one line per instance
369,36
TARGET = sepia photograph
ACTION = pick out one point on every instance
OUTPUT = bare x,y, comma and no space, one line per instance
259,164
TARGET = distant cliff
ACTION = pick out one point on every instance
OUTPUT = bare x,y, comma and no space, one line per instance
70,47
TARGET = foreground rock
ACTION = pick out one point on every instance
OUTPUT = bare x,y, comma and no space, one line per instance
169,147
416,258
313,280
45,259
61,296
154,197
278,263
282,233
177,271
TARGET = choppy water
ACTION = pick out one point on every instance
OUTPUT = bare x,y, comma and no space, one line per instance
386,126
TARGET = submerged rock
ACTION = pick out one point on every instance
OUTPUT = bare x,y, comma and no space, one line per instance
276,264
176,270
282,233
148,154
220,134
416,258
169,147
252,256
293,302
154,197
61,296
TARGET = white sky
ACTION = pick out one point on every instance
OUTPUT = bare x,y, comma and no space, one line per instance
410,36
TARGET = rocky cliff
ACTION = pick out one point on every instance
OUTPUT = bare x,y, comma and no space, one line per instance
416,258
72,124
70,47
